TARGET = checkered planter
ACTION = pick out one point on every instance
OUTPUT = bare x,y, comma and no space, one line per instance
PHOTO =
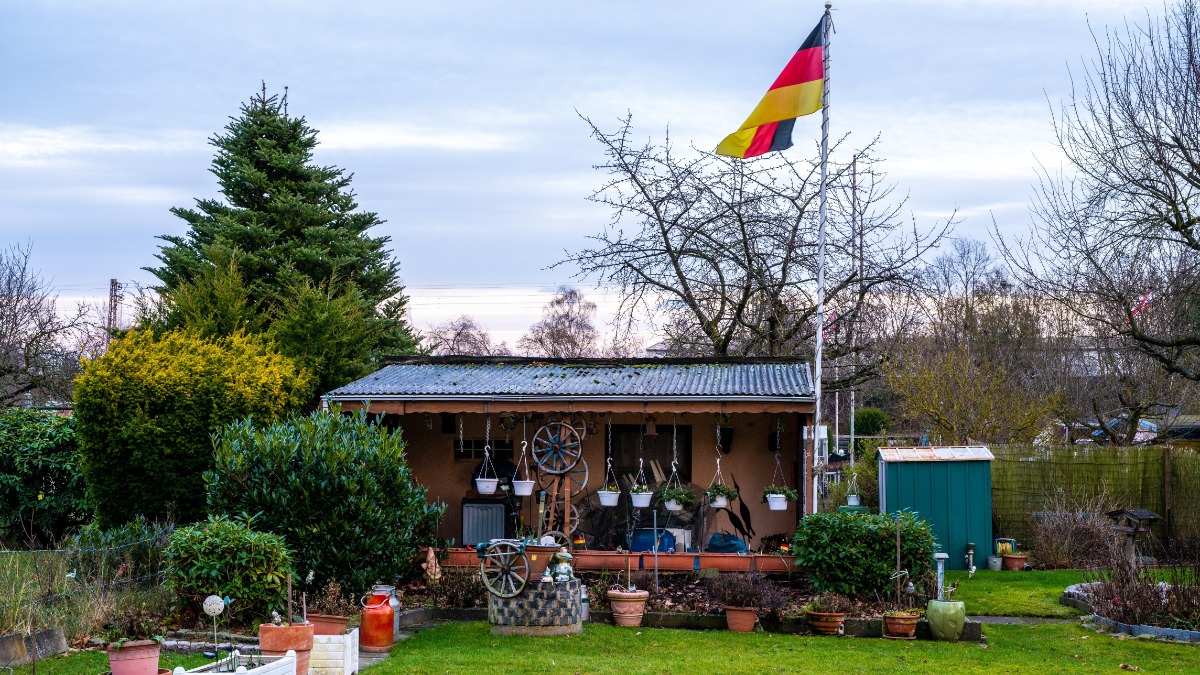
541,604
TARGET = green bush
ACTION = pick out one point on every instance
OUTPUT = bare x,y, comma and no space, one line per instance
147,409
870,422
42,491
336,487
229,558
855,554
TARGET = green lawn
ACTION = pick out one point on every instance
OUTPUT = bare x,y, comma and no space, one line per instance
1015,593
94,662
1057,648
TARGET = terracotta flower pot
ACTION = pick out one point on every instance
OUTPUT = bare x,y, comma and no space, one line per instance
328,624
901,625
539,557
826,623
628,606
741,619
277,640
1014,562
136,657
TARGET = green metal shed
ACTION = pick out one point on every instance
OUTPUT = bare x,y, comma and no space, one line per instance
951,487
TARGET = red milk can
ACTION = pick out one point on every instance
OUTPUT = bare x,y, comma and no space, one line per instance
376,629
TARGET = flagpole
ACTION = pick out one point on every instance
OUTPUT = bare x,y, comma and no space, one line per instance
821,249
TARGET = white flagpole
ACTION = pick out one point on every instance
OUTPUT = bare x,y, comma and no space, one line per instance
821,249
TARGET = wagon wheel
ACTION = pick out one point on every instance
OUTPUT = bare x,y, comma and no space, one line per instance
561,539
504,569
575,420
556,447
558,510
578,475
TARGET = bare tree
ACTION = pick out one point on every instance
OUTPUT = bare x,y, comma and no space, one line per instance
39,348
464,337
720,253
1117,235
566,329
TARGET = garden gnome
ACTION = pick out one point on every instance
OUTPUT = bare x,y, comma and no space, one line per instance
561,564
433,571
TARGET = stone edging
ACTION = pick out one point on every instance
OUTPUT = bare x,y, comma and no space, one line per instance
1076,596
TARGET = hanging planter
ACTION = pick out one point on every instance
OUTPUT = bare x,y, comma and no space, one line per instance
640,496
676,497
776,497
611,493
523,488
719,494
609,496
485,484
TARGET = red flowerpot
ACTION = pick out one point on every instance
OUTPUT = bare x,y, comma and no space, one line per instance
539,557
328,624
136,657
741,619
1014,562
826,623
277,640
901,625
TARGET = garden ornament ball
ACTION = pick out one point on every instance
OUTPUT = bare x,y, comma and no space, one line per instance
214,605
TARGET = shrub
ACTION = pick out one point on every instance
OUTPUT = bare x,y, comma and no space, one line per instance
147,408
1072,533
137,547
855,555
42,491
335,486
739,589
870,422
229,558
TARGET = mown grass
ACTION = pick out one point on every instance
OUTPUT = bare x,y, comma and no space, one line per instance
1059,648
96,661
1015,593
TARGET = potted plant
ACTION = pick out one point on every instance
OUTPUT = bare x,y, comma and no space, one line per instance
276,637
777,496
628,604
827,613
744,596
134,643
946,617
1014,560
719,495
901,623
639,495
609,494
331,610
676,497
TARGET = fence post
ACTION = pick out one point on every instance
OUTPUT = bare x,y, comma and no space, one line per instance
1169,521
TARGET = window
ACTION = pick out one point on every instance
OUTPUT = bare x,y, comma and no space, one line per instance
656,452
472,448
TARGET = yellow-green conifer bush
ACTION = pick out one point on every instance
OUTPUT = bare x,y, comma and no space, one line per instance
147,408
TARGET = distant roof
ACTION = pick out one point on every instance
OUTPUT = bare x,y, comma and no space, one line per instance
952,453
424,378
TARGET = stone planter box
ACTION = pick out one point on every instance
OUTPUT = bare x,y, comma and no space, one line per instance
334,654
263,665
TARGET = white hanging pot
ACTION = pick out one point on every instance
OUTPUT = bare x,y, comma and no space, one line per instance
522,488
853,500
609,497
640,500
486,486
673,505
719,502
777,502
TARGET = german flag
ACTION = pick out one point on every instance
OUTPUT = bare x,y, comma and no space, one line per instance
796,92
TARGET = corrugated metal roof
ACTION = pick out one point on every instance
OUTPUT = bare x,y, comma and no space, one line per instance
641,378
953,453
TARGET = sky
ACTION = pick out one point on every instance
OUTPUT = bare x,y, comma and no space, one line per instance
460,120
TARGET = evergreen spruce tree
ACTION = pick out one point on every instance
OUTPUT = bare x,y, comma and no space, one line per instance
297,237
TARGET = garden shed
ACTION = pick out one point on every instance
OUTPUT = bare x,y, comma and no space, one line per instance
951,487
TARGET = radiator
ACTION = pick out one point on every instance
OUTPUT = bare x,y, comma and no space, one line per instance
482,522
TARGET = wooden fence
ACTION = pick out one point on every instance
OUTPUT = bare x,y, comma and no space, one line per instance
1165,480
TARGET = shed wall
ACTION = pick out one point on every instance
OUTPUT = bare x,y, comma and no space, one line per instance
955,497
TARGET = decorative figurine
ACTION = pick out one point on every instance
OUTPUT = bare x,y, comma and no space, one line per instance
560,563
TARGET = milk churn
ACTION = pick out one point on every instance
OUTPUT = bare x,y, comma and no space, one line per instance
377,620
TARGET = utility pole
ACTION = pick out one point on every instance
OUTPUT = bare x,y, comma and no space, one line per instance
114,303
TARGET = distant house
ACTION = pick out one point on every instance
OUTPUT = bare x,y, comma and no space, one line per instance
748,413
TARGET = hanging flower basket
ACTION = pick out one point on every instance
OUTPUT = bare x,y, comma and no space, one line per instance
487,486
640,500
719,494
777,496
609,497
523,488
675,497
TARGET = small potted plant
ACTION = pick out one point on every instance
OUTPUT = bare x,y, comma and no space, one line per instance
901,623
609,495
827,613
1013,559
719,495
628,604
676,497
640,495
134,643
276,637
778,496
331,610
744,596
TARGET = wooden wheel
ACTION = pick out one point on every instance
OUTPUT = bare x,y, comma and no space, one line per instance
558,511
504,569
577,474
557,447
561,539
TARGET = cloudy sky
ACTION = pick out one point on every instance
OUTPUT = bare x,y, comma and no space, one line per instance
458,118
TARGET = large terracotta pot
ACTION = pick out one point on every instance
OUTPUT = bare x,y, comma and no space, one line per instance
826,623
1014,562
901,625
277,640
741,619
328,624
628,606
946,619
539,558
136,657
